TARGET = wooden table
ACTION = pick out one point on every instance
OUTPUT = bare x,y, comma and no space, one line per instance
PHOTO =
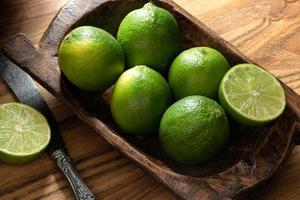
268,31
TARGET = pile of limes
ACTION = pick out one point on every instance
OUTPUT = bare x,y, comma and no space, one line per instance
194,128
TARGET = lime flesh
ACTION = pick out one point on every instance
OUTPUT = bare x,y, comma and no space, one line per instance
251,95
24,133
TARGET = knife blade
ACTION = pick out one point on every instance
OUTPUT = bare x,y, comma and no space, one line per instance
27,93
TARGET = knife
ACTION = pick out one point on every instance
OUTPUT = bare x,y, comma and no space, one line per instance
27,93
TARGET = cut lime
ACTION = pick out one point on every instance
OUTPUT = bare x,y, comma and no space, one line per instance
251,95
24,133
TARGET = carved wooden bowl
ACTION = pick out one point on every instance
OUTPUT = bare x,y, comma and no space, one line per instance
250,159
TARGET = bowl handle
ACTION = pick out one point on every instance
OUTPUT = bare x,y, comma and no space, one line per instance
20,50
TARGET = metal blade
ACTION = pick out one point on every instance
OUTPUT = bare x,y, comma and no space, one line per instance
26,91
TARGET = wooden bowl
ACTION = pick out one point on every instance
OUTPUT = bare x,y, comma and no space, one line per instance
250,159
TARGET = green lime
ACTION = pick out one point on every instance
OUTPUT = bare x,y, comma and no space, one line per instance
197,71
251,95
194,129
24,133
91,58
139,99
149,36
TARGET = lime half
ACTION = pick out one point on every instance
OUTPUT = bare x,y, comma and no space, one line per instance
24,133
251,95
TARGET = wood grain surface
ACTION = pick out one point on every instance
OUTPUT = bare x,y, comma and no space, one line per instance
268,31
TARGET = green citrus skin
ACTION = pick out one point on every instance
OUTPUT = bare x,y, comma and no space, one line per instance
251,95
139,99
197,71
91,58
150,36
194,129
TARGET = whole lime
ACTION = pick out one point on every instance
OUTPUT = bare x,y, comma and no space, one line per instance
197,71
139,99
194,129
150,36
91,58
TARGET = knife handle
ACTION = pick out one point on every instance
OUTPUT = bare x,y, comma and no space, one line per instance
80,189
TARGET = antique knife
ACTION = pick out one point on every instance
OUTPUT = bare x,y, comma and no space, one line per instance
26,92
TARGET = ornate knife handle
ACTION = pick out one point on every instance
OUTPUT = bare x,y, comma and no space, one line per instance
80,189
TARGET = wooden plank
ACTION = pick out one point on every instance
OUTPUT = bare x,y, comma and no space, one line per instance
109,174
267,31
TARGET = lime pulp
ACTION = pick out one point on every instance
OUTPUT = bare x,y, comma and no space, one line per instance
251,95
24,133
